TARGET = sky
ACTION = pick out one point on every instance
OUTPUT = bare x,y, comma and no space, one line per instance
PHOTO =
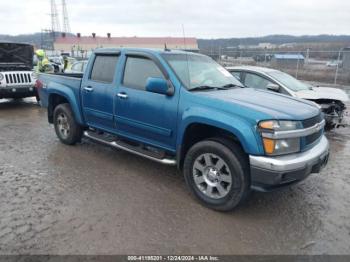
201,19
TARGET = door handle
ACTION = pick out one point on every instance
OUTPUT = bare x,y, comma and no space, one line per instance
122,95
88,88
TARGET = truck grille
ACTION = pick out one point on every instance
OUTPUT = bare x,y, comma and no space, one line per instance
312,121
309,123
18,78
312,138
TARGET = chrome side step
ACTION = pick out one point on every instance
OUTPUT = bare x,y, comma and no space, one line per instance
122,146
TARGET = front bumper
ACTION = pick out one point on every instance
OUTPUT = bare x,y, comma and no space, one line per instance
269,173
17,91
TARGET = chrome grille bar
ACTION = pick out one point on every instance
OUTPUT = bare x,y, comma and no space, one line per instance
18,78
296,133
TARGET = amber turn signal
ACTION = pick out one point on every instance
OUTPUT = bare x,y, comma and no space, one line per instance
269,145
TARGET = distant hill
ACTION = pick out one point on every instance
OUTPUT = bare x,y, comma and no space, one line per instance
30,38
35,38
207,44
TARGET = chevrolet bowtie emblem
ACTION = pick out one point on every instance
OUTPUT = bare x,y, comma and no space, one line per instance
318,126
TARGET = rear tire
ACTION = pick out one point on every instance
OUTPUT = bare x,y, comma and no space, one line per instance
217,173
67,129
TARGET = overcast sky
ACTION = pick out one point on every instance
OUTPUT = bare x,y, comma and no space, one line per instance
202,19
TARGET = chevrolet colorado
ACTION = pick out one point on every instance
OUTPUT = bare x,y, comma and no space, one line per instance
184,109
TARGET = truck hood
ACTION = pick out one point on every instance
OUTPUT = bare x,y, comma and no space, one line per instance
14,55
271,105
323,93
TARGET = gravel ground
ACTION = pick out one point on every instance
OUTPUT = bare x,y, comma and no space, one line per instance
91,199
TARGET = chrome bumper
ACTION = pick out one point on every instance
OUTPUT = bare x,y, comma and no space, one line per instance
294,161
269,173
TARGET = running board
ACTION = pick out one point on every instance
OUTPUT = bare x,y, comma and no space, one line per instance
131,149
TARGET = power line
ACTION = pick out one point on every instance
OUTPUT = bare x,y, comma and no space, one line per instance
55,23
66,25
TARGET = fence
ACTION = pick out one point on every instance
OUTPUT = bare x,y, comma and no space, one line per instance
331,67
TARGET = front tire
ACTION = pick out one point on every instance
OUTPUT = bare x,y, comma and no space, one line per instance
217,173
67,129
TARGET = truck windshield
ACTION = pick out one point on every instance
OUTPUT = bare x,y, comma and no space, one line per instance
289,81
197,71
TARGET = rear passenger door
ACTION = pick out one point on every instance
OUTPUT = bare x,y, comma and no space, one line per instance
141,115
97,92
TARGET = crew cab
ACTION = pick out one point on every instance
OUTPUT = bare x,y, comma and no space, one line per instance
184,109
17,79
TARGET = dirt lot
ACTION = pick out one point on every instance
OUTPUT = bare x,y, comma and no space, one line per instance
91,199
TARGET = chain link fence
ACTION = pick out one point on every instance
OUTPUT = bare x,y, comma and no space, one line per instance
331,67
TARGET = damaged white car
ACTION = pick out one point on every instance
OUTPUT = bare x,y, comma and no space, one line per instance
331,100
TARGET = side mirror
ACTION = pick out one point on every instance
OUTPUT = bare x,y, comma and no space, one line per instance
273,87
159,86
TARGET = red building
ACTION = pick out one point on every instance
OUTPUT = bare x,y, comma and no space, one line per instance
85,44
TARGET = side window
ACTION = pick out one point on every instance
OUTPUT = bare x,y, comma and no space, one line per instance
138,70
255,81
236,75
103,69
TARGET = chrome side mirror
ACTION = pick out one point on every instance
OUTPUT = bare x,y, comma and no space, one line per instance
273,87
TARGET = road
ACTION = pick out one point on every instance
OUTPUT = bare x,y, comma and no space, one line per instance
91,199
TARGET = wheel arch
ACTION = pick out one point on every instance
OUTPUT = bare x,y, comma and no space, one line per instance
197,131
56,98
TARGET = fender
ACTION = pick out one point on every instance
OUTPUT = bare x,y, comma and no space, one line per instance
70,96
234,124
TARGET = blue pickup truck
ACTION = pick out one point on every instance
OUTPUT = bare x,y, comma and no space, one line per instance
184,109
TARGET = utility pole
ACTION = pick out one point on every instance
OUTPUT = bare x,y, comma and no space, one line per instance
297,71
46,39
66,25
336,71
307,55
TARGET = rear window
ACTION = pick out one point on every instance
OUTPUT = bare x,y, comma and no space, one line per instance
104,68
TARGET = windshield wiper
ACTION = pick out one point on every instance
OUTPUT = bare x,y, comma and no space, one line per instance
200,88
205,87
230,85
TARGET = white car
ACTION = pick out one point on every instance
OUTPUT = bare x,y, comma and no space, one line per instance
57,62
331,100
333,63
77,67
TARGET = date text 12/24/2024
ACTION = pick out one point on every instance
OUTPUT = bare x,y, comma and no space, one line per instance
173,258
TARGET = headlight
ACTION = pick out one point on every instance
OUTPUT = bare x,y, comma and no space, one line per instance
34,76
279,146
1,77
274,125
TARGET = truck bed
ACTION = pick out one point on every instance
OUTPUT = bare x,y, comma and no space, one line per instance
71,80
